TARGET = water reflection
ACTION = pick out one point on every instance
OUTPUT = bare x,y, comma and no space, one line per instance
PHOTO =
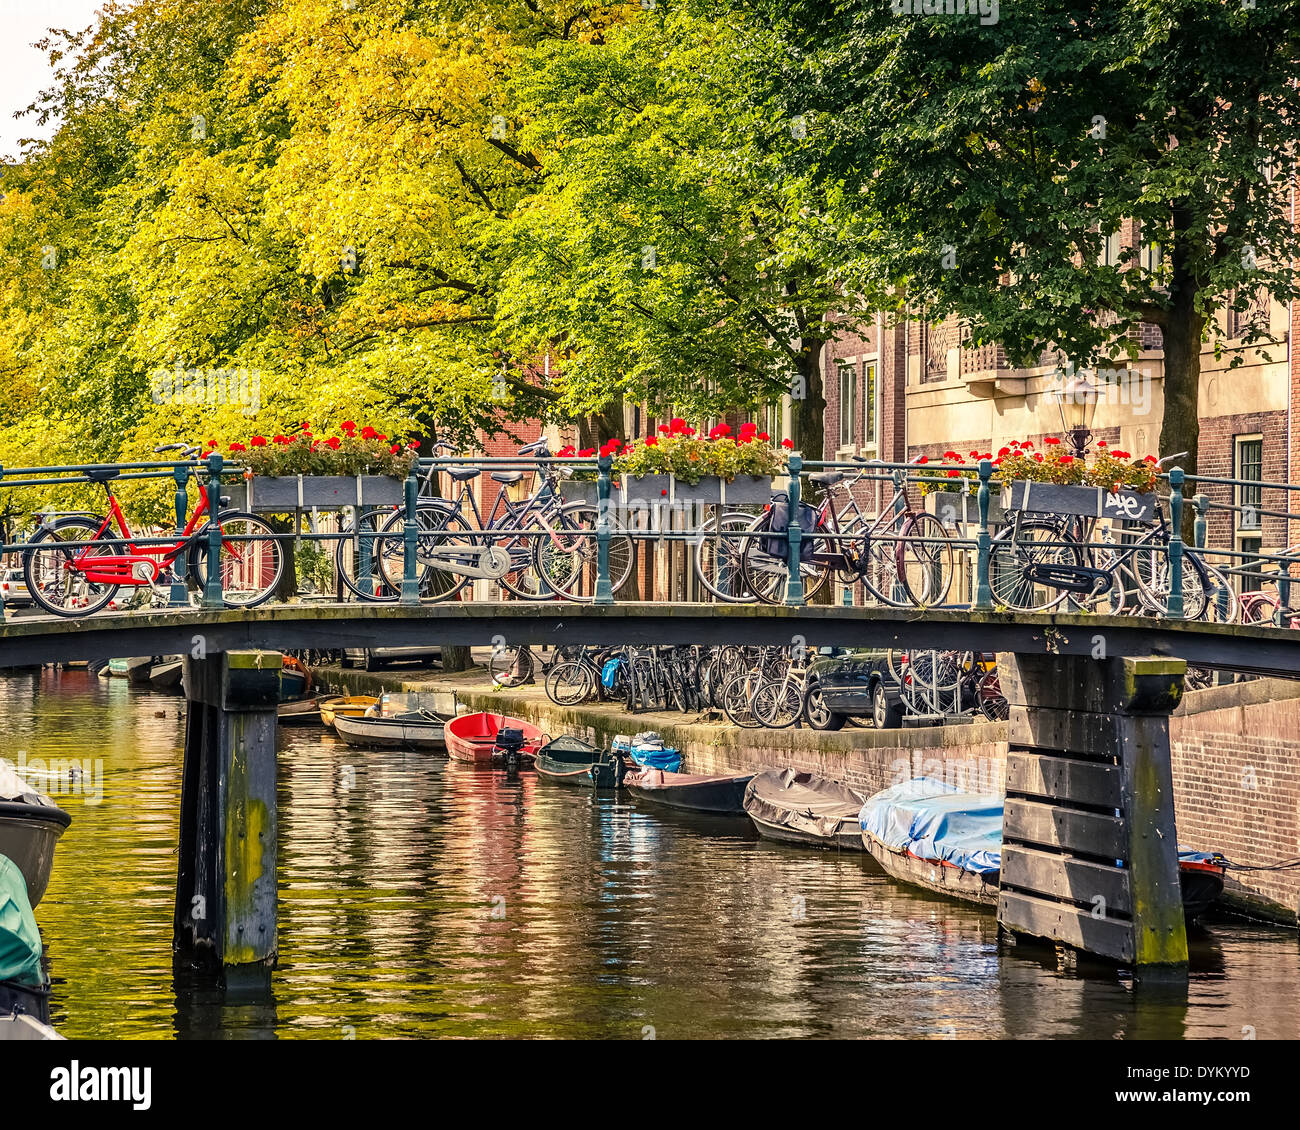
424,898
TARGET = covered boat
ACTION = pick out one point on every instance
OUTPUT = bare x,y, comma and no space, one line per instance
571,761
416,729
647,750
801,808
473,737
929,833
23,982
721,794
30,827
166,676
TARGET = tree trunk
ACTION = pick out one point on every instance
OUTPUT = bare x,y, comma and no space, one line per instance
1180,429
456,659
808,412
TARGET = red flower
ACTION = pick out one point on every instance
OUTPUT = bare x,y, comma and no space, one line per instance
748,429
974,454
1051,439
381,437
664,429
238,447
414,445
650,441
663,494
1101,443
923,459
954,474
1038,458
720,431
787,444
1015,443
688,431
1067,458
348,426
258,441
678,426
1149,459
764,436
586,453
333,443
282,440
1003,451
951,455
368,432
212,443
395,448
1121,455
565,452
1027,445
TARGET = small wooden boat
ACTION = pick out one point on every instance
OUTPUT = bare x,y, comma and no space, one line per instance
295,679
166,676
473,737
571,761
721,794
345,706
417,729
929,834
135,669
301,712
799,808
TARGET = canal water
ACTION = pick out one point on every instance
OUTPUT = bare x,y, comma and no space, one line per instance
422,898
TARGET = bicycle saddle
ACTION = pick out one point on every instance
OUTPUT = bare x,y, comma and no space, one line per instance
507,477
102,474
826,478
464,474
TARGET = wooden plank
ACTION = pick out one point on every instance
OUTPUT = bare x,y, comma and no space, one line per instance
1044,918
1067,877
1081,732
1064,778
1088,833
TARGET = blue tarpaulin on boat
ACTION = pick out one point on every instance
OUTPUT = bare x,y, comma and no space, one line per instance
936,822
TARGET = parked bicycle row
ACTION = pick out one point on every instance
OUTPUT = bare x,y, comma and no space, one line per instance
765,686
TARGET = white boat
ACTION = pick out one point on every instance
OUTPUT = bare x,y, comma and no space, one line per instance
416,729
30,827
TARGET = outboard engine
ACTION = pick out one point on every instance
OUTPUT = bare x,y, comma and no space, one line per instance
508,744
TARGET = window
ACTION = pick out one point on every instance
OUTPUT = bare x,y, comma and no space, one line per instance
1250,466
871,405
1110,252
848,404
1153,257
1250,578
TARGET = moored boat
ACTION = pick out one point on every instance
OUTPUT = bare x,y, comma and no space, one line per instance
800,808
570,761
473,737
295,679
720,794
416,729
166,676
30,827
300,712
135,669
345,706
24,984
930,834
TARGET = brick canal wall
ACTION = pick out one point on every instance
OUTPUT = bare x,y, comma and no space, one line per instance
1236,761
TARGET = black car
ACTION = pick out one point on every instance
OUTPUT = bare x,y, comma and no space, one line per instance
862,683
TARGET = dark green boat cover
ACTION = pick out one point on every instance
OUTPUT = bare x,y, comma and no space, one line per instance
20,941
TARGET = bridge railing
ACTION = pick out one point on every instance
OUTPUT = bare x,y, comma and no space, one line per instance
410,532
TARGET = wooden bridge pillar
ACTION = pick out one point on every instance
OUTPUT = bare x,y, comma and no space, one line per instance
226,876
1089,849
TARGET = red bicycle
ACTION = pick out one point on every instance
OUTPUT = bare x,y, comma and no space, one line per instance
69,573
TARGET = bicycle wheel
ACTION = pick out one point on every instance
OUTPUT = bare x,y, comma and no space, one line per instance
443,540
1150,563
719,557
251,559
925,560
767,575
738,702
1015,550
54,581
566,558
511,666
778,703
568,684
354,556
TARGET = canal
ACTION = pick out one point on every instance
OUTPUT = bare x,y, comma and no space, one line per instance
423,898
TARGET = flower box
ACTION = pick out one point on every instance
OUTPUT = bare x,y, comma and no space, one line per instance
1088,502
265,494
587,492
710,489
952,508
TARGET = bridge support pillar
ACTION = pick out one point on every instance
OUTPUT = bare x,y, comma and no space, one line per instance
1089,849
226,877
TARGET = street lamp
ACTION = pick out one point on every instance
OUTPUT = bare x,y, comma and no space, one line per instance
1076,400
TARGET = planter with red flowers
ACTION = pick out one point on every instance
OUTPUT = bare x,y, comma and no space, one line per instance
303,471
951,491
679,465
1113,484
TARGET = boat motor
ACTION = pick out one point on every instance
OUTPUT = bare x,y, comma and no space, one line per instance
509,742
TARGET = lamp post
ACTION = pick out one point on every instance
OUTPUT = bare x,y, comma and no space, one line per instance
1076,400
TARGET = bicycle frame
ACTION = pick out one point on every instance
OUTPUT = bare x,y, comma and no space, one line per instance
120,568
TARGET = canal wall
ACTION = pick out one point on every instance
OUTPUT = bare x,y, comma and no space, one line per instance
1235,752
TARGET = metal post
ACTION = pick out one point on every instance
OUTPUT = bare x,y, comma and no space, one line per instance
1202,504
604,483
366,540
983,591
896,590
410,533
1282,617
180,597
212,594
794,536
1175,606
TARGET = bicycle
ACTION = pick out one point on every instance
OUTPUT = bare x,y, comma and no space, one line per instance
71,572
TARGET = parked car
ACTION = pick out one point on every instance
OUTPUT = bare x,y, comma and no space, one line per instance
373,658
861,683
13,587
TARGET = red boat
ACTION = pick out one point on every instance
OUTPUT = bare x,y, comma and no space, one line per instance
473,737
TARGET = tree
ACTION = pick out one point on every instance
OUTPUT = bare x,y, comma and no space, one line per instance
659,255
980,167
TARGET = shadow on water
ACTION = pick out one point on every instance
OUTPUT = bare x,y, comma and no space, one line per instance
424,898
